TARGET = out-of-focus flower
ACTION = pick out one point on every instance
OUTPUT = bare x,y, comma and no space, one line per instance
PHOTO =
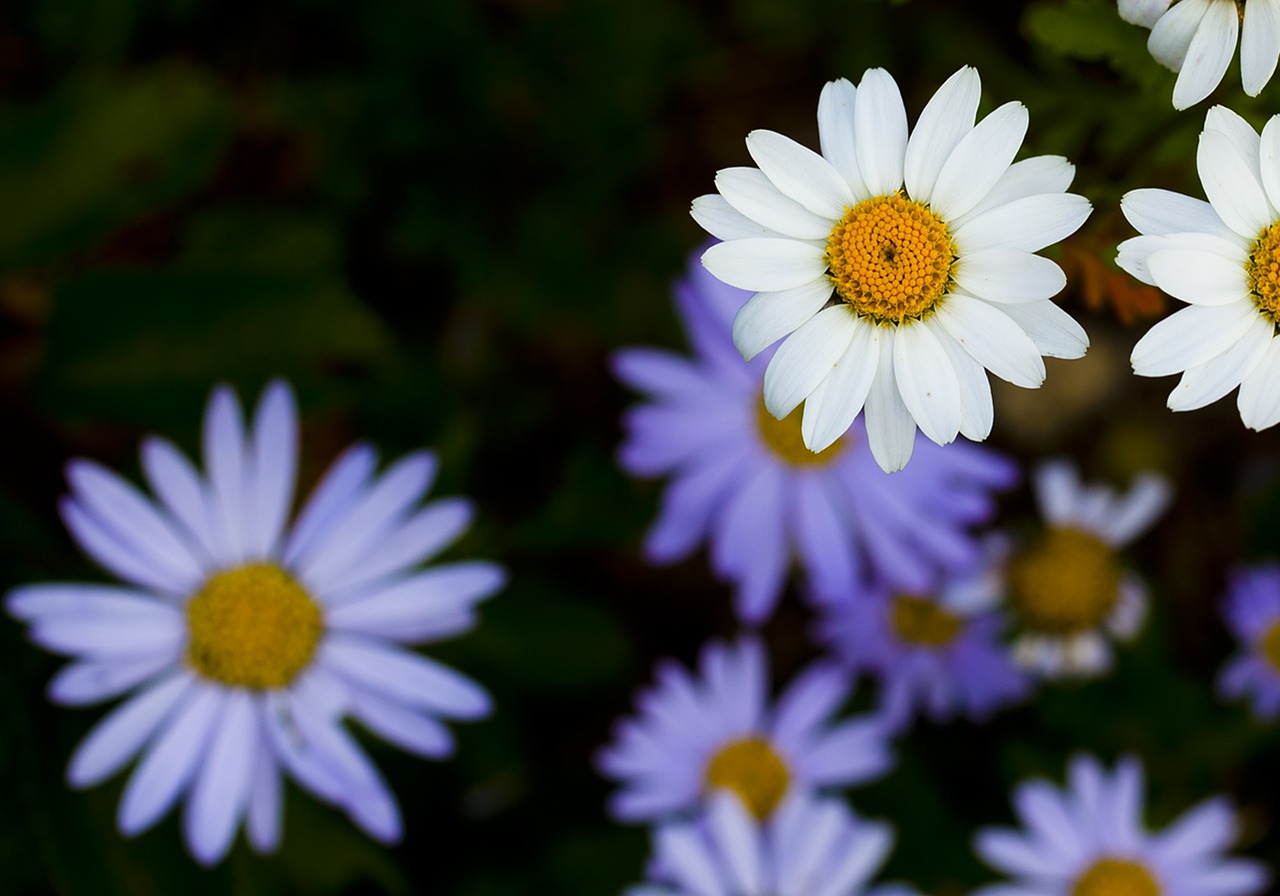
810,847
1089,840
1222,258
938,654
1197,38
245,643
695,736
1252,612
927,243
744,482
1067,587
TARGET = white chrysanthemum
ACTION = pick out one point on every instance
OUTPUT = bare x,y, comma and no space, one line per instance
926,243
1222,258
246,645
1197,38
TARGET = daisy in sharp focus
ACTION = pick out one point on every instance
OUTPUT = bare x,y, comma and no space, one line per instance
695,735
937,653
743,482
1252,611
1197,39
1089,840
243,642
1222,258
810,847
1067,588
899,268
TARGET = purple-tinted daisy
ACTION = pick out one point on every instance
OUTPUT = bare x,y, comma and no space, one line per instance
937,654
1252,612
744,483
717,731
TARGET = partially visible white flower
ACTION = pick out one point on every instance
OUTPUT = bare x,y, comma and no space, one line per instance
245,643
1197,39
1222,258
927,243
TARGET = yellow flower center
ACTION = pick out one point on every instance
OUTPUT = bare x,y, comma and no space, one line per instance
783,438
1270,645
890,258
918,620
1067,581
252,627
752,770
1116,877
1263,270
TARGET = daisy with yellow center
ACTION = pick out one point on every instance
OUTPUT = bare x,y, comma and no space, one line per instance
899,268
1222,258
1066,587
243,643
1252,612
717,732
1088,839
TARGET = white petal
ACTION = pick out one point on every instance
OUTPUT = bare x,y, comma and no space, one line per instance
1030,177
224,461
724,222
684,856
799,173
410,730
1198,277
1008,275
1160,212
342,484
1208,55
178,486
118,737
753,194
102,544
220,794
993,339
414,609
1055,333
157,629
768,316
880,131
1232,187
1133,514
945,120
1190,337
836,135
82,684
736,835
1259,44
927,382
1259,399
266,801
1241,134
1172,34
1056,488
831,407
406,677
977,413
891,431
765,264
806,358
1143,12
1269,160
1030,223
1206,383
980,160
33,602
273,461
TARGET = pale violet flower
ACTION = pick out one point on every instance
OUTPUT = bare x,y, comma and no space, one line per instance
899,267
1089,840
1197,39
1252,611
244,642
743,482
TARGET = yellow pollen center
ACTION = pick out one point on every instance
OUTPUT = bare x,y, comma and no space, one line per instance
1270,645
918,620
1067,581
784,439
890,258
1263,270
1116,877
252,627
752,770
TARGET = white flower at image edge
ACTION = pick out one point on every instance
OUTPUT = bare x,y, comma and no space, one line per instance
899,268
1197,39
244,644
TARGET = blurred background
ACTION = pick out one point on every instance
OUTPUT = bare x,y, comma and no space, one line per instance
438,219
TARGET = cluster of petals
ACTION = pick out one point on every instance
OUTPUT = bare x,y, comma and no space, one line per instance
996,314
1252,612
355,547
1197,39
1199,252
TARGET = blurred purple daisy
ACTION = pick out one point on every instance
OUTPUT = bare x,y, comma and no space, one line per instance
810,847
1252,612
938,654
717,731
242,642
744,482
1089,840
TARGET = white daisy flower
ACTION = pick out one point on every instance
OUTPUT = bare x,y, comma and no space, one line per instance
1222,258
925,242
1089,840
810,847
696,736
244,643
1197,38
1067,587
